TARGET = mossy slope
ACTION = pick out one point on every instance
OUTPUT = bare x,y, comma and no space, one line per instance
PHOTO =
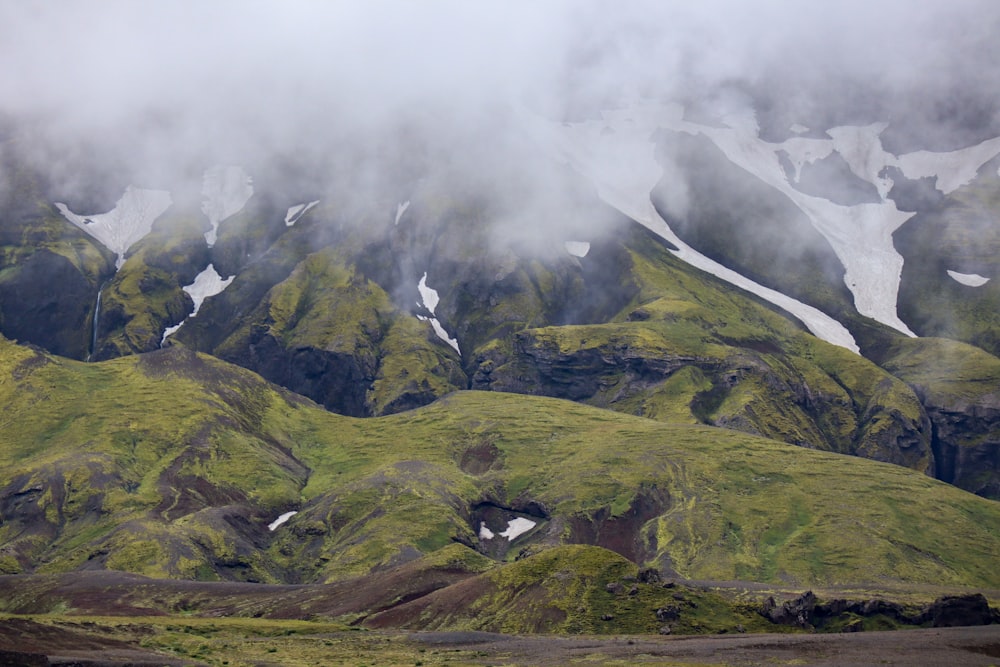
172,464
687,349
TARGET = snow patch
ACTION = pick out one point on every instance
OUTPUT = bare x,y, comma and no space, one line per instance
622,166
428,295
951,170
577,248
517,527
484,532
802,151
798,128
970,279
401,209
226,189
861,148
280,520
296,212
429,298
131,219
207,283
170,331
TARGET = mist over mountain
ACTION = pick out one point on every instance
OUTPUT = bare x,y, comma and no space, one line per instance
152,94
399,295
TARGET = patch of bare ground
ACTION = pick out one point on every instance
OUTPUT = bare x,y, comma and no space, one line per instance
24,642
949,647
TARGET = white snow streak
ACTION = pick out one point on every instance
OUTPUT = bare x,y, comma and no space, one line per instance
296,212
969,279
577,248
484,532
207,283
517,527
401,209
226,190
621,165
952,170
430,299
617,155
280,520
131,219
428,295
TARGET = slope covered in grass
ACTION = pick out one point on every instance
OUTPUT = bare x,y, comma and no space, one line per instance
172,464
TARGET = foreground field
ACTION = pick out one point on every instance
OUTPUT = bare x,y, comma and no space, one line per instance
66,640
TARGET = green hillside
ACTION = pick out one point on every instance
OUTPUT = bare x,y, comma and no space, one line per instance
172,464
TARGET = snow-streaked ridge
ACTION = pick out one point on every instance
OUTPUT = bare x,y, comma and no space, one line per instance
616,154
622,166
131,219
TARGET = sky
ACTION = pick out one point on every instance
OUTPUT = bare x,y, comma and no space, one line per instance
150,90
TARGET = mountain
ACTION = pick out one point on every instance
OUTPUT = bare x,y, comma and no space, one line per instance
732,358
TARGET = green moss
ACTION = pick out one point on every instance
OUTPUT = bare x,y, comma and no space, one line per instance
158,440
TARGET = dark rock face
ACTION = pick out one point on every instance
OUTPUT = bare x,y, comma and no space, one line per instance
47,301
958,610
622,534
625,368
797,612
947,611
967,445
339,382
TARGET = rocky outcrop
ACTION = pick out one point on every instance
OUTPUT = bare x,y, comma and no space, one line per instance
50,271
338,381
805,611
797,612
958,610
642,367
959,386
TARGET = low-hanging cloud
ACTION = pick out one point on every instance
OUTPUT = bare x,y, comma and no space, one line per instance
153,92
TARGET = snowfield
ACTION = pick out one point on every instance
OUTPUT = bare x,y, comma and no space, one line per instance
616,154
131,219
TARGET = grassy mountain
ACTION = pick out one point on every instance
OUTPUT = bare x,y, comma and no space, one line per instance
172,463
329,308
